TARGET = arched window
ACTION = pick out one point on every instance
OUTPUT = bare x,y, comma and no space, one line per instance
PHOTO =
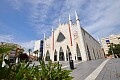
66,55
55,55
47,56
88,53
68,52
61,54
78,52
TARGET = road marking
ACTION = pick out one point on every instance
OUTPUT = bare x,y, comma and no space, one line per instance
96,72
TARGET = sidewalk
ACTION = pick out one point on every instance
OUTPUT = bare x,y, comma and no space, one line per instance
84,69
94,68
110,70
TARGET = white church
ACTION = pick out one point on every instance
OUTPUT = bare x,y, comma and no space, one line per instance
71,42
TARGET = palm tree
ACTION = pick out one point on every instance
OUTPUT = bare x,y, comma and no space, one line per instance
37,54
29,50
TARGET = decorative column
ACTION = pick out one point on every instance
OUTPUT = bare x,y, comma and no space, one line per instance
69,26
44,47
52,39
82,44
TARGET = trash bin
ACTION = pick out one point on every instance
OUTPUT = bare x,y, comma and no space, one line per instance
71,64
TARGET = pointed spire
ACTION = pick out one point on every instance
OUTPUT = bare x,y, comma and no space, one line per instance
76,15
52,29
69,18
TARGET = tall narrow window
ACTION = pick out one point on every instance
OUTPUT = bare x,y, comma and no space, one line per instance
88,53
47,56
55,55
61,54
78,52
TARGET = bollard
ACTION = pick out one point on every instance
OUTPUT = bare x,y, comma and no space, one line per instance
71,64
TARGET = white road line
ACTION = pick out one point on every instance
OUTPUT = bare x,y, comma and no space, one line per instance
96,72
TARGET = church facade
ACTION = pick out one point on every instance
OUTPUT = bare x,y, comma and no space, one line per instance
71,42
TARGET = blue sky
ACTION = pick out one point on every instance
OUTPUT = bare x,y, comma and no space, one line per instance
24,21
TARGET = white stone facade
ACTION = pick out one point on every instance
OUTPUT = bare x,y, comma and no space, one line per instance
71,42
115,39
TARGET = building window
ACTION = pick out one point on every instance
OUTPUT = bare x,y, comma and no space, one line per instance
108,41
118,38
61,37
84,32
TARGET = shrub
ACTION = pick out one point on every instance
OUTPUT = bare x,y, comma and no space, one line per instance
53,71
22,71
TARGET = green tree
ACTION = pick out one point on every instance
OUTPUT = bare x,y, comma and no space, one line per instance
5,48
114,49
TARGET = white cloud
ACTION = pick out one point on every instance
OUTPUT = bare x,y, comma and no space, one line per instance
39,16
10,39
104,18
6,38
97,17
100,18
28,44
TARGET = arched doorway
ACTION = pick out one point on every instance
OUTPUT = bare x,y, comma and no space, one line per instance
55,55
78,52
88,53
47,56
61,55
68,52
66,55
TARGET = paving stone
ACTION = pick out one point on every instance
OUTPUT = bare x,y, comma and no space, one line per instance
84,69
111,70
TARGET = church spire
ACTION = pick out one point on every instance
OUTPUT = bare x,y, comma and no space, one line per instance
52,29
76,15
70,21
69,18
